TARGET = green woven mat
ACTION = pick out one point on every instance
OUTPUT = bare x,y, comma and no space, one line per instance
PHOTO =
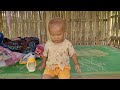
20,71
98,60
94,60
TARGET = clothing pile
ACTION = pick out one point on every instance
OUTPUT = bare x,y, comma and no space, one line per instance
22,45
19,49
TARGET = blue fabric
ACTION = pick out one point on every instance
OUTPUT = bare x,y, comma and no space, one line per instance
1,38
23,45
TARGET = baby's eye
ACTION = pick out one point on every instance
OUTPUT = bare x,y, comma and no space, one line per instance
59,34
52,35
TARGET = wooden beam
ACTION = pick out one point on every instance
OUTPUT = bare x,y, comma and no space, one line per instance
47,21
0,21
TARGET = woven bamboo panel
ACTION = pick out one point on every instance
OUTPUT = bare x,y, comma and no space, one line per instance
82,27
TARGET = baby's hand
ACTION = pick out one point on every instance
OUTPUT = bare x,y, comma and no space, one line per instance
42,66
77,68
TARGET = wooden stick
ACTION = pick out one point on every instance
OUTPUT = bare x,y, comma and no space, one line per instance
1,21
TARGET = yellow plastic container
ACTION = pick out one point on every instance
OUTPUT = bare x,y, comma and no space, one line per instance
31,64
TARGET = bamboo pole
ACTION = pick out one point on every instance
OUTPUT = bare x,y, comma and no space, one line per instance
38,26
47,21
97,28
102,27
116,23
77,27
80,26
94,27
113,23
108,27
83,27
119,19
1,21
68,19
87,27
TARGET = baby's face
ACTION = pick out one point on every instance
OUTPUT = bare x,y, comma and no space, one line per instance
57,34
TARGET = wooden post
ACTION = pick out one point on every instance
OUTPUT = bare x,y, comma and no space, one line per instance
108,27
0,21
87,28
47,21
94,28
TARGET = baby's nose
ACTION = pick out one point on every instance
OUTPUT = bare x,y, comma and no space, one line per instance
56,36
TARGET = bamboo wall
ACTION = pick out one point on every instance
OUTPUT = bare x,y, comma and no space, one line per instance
82,27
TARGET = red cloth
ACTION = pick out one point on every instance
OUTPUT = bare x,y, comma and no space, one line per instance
39,50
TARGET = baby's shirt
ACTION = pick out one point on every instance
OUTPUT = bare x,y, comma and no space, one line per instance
58,54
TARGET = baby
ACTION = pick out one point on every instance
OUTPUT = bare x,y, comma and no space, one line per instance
57,52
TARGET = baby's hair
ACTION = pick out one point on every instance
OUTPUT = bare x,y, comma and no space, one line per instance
56,21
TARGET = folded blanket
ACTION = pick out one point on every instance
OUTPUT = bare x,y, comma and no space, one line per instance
8,57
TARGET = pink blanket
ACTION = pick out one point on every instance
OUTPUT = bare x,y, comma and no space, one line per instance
9,57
